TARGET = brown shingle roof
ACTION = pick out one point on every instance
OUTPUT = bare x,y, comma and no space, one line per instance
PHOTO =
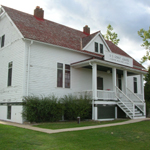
57,34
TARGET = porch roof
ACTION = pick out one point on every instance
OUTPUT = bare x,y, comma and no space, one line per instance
106,65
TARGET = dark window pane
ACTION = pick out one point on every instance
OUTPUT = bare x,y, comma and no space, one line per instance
135,85
101,48
67,67
10,73
2,40
59,78
59,65
67,79
9,112
96,47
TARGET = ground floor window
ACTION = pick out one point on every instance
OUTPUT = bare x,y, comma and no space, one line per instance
63,75
8,112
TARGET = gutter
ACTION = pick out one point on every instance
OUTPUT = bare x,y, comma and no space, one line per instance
28,75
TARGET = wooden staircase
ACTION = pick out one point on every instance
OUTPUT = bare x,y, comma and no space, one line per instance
134,108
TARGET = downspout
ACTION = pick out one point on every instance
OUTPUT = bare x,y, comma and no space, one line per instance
29,51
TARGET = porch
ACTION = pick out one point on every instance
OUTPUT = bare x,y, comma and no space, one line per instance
114,91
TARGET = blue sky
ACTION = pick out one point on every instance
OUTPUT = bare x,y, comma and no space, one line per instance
126,17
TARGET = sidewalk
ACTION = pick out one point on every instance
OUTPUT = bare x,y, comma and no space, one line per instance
49,131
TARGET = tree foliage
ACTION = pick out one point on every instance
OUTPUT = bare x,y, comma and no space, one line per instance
111,36
147,91
147,86
145,35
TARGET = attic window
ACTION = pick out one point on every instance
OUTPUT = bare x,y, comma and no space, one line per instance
2,40
101,48
96,47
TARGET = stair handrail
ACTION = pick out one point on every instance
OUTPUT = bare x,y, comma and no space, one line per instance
135,95
133,113
124,95
127,108
130,99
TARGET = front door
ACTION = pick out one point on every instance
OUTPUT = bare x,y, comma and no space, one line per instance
99,83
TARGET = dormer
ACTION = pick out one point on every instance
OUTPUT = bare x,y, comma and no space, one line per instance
95,43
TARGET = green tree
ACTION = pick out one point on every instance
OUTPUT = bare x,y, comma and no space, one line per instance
145,35
111,36
147,91
147,86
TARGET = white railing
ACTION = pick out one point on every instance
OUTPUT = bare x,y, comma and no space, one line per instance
133,96
133,101
140,96
84,93
127,102
106,95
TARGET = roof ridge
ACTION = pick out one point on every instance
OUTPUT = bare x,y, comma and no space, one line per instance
47,20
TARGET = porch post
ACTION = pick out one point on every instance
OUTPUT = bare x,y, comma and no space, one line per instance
114,79
142,87
94,90
125,81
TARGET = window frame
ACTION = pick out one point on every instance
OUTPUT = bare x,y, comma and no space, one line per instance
101,48
2,40
135,86
96,47
9,109
67,74
10,70
59,78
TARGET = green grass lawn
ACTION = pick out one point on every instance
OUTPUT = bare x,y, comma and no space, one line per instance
62,125
134,136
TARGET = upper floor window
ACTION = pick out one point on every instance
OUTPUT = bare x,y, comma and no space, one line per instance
96,47
10,65
2,40
101,48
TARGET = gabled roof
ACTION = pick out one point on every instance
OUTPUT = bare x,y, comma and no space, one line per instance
53,33
87,39
117,50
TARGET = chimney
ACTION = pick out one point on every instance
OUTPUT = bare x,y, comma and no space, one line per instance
86,30
39,13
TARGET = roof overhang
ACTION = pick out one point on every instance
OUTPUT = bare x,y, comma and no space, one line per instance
88,62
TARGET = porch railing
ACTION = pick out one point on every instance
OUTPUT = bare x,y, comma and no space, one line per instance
101,94
134,97
106,95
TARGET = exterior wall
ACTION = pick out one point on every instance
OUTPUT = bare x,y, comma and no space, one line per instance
16,113
107,80
91,47
13,50
43,70
130,83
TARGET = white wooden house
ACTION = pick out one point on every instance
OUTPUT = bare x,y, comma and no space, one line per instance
41,57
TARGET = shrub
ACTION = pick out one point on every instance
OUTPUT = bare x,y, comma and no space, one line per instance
74,107
48,109
41,109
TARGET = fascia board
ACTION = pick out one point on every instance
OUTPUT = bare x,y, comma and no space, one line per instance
13,23
108,64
